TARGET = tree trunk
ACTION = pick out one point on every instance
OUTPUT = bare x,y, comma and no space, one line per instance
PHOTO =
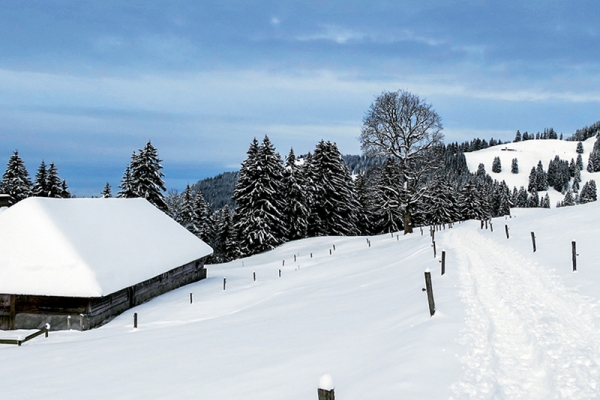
407,222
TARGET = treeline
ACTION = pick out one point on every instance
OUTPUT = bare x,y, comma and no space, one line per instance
17,184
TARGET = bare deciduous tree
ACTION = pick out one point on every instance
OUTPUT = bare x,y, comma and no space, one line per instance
401,125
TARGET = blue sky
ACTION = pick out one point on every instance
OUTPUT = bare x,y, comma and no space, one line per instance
83,84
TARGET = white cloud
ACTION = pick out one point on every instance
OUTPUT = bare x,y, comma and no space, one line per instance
334,33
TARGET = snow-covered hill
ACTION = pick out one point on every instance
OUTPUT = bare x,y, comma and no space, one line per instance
510,323
528,154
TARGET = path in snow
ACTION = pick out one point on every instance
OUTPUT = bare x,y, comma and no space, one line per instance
528,337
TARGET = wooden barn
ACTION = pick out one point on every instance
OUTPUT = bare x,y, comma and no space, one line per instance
77,263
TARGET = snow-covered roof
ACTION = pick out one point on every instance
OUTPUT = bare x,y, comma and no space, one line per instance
89,247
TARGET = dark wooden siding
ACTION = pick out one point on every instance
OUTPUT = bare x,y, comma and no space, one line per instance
33,312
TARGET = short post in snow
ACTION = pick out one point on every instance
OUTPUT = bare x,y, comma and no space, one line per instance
329,251
481,224
68,322
443,261
486,224
506,230
574,251
224,283
433,245
429,289
334,247
326,389
491,226
421,228
310,255
254,276
280,273
533,241
135,320
191,298
294,258
283,263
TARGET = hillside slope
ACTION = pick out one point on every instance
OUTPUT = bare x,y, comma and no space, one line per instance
510,323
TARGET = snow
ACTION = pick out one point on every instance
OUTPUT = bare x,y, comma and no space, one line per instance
510,323
528,154
326,382
88,247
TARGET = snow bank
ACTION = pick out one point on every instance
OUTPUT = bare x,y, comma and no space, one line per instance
88,247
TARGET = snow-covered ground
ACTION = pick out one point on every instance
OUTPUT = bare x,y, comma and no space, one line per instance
510,323
528,154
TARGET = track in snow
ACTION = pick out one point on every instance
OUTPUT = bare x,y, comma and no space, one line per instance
528,337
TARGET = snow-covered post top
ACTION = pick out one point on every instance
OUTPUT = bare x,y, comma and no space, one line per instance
325,390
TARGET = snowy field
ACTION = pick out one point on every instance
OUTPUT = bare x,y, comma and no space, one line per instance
510,323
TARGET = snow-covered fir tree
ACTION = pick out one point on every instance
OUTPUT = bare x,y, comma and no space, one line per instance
480,170
296,209
569,199
53,183
259,216
200,217
40,186
127,191
106,192
388,213
16,181
496,165
471,203
334,205
545,202
185,215
522,199
541,177
514,167
366,213
534,199
579,148
594,158
588,192
441,201
146,176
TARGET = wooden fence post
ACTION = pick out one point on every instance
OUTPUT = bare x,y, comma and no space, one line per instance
135,320
421,228
329,251
254,276
443,261
224,283
326,389
533,241
486,224
283,263
68,322
280,273
481,224
294,258
429,289
491,226
506,230
574,251
191,298
334,247
434,253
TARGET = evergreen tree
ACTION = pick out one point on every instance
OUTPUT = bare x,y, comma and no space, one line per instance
106,192
127,190
545,202
579,162
65,194
471,203
146,176
522,199
226,247
40,186
366,215
534,199
259,197
532,185
388,215
185,215
569,200
541,177
53,183
200,222
496,165
296,212
15,180
480,170
441,201
594,159
514,168
334,200
517,137
588,192
505,200
579,148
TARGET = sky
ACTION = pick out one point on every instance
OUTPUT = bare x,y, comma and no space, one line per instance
84,84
